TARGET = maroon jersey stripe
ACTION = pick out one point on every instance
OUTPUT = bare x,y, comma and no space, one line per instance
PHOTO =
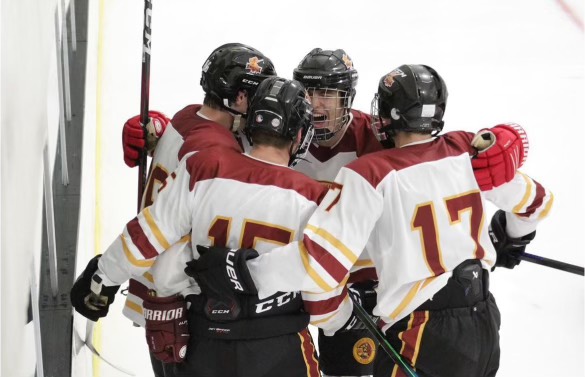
537,202
325,260
140,240
411,337
221,163
308,351
365,274
376,166
137,288
325,306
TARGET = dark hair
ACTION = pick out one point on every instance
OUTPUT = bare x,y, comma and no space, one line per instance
269,138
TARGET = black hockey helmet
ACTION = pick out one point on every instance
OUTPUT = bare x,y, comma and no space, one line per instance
413,98
329,70
282,107
233,67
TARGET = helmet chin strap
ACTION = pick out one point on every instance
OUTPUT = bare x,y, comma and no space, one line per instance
236,114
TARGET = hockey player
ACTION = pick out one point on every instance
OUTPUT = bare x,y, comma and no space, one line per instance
419,212
231,200
229,78
342,134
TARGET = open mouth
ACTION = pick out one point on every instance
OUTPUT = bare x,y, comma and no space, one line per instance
317,118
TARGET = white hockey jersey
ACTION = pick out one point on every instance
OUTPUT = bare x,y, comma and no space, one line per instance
228,199
419,213
188,132
323,163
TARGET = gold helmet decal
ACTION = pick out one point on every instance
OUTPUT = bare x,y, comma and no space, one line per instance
253,65
347,61
389,79
364,350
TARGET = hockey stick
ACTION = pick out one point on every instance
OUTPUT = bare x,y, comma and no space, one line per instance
144,94
361,313
89,343
578,270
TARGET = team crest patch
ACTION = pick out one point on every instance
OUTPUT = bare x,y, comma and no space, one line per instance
364,350
253,65
389,79
347,61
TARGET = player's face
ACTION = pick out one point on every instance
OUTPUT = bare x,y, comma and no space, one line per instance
328,108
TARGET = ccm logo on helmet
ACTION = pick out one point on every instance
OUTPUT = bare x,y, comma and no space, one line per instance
246,81
163,315
231,271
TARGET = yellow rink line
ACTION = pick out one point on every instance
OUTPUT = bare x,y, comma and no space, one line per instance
97,332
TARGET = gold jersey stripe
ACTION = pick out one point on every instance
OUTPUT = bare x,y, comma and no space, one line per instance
148,276
526,196
311,271
155,230
419,337
364,263
335,242
134,306
315,323
132,259
413,291
547,208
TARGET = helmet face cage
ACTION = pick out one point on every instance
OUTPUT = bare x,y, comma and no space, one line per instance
234,67
377,126
330,79
413,98
333,109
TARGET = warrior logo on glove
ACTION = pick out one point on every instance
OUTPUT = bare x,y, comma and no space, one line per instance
167,330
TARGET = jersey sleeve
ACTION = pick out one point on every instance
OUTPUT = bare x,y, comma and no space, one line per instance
526,202
152,231
329,310
333,239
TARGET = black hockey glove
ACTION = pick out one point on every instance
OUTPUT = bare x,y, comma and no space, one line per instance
222,274
507,248
89,296
365,294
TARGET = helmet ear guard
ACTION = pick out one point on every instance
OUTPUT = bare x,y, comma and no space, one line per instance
413,98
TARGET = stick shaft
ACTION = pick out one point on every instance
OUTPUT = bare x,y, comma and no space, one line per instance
144,93
361,313
578,270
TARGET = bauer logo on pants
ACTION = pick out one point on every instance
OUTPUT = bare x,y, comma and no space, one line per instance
364,350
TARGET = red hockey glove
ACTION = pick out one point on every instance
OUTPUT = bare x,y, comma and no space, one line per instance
167,331
133,140
502,150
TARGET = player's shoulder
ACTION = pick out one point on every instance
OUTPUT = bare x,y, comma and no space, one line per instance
212,162
361,119
373,167
463,137
187,121
304,185
207,135
221,163
361,133
458,141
